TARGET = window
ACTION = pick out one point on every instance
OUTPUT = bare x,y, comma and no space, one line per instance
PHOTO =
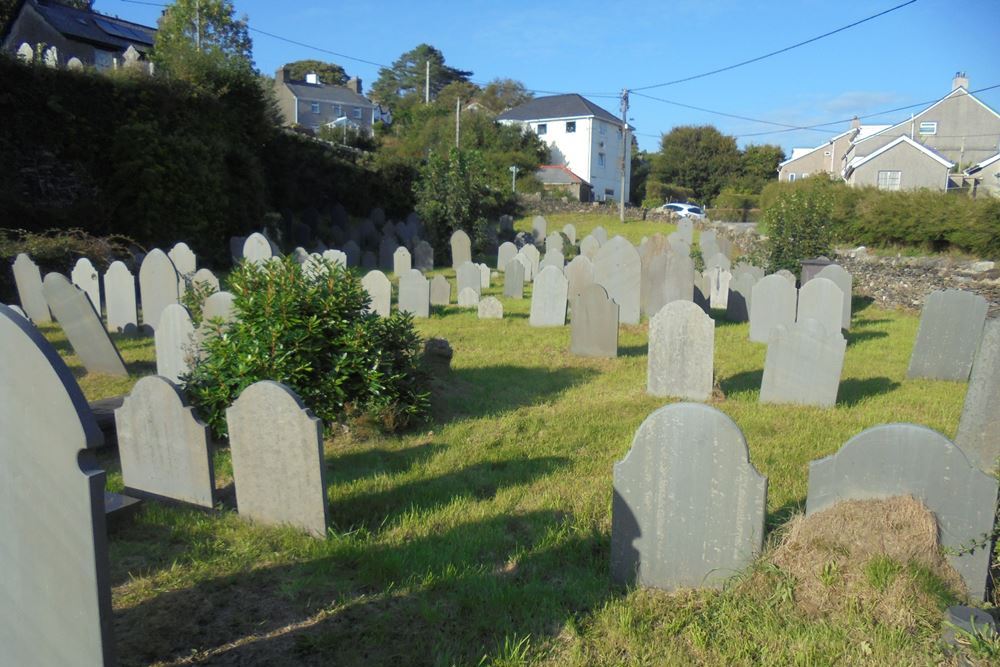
791,177
603,129
338,110
542,128
357,112
314,106
570,126
889,180
608,192
928,127
600,159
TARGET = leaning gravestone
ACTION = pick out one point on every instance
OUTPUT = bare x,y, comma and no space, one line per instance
257,248
440,291
119,299
600,234
84,276
414,294
401,261
28,279
772,302
467,298
277,452
423,257
618,269
55,593
803,364
469,276
461,249
513,279
845,282
979,429
681,348
548,299
820,299
951,325
539,227
526,263
380,290
218,306
490,308
589,247
82,326
175,343
579,274
688,506
911,460
158,286
594,324
163,446
740,297
505,253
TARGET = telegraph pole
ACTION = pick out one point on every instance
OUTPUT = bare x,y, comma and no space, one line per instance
197,25
626,146
427,82
458,118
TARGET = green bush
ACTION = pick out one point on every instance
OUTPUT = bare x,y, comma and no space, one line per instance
314,334
798,225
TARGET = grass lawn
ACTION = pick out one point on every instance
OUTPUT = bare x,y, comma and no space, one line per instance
484,536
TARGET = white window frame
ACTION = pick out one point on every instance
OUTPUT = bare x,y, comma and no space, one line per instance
892,179
543,128
570,126
600,159
927,127
357,112
314,107
338,110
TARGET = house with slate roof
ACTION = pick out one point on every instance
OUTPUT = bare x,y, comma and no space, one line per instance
313,104
582,137
826,157
62,36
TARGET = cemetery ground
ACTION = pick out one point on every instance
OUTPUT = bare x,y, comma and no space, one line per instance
483,536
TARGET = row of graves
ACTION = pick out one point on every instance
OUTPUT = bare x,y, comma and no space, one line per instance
688,506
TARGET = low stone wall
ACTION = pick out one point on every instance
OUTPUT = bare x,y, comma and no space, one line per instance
534,205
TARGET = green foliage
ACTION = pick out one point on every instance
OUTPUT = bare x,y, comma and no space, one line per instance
331,74
798,226
194,297
697,157
659,193
406,77
314,334
197,40
758,167
501,94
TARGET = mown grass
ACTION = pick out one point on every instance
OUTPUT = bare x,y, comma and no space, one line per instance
483,537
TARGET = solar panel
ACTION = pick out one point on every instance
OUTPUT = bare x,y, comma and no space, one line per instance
124,32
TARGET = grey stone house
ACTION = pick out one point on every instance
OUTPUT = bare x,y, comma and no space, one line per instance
984,178
826,157
312,104
902,164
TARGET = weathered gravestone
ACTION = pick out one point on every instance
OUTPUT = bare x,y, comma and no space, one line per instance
910,460
579,274
527,265
257,248
979,428
506,223
423,257
119,298
469,276
548,299
678,279
649,251
206,279
84,276
951,325
175,344
772,303
685,228
654,284
505,253
681,349
467,298
618,269
803,364
163,446
386,251
554,243
300,255
679,246
218,306
353,253
490,308
600,234
569,231
461,249
688,506
414,294
719,260
157,286
707,238
740,297
539,227
787,275
553,258
401,261
820,299
845,282
718,280
594,324
82,326
369,260
277,451
380,291
55,593
513,279
28,279
589,247
440,291
484,277
531,253
335,257
184,260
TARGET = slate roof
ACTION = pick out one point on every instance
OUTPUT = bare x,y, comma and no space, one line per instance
558,106
85,25
557,174
325,93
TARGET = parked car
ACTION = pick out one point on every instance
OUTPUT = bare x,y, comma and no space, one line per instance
684,210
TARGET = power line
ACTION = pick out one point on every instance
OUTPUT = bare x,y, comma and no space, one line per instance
722,113
779,51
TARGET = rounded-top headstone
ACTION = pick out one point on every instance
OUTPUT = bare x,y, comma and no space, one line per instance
257,248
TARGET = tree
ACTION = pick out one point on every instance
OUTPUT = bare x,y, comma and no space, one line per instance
407,75
697,157
502,94
329,73
200,39
758,165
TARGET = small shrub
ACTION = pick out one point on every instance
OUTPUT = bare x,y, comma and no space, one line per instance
799,227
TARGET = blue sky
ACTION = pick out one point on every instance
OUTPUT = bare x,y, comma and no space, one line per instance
905,57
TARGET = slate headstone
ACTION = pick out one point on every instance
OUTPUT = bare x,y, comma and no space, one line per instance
157,286
803,364
772,303
353,253
681,348
335,257
979,428
589,247
679,246
839,276
206,278
380,290
184,259
175,344
423,257
119,297
490,308
579,274
548,299
553,259
600,234
467,298
386,251
618,269
28,279
513,280
440,291
82,326
569,231
678,279
787,275
718,280
84,276
526,264
594,324
506,223
820,299
740,297
461,249
686,230
951,325
505,253
369,260
554,242
531,253
468,275
414,294
718,260
257,248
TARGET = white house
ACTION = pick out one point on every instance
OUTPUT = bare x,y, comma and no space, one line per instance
581,136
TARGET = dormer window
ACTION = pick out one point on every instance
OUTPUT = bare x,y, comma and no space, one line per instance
928,127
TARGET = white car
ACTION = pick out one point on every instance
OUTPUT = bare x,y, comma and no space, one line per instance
685,210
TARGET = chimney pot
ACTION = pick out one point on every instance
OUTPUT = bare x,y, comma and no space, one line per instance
354,83
855,123
960,81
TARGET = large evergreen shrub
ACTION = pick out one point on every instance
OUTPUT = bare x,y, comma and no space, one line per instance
798,226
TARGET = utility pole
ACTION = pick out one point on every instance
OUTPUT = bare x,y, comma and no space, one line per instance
626,145
427,82
513,178
197,25
458,118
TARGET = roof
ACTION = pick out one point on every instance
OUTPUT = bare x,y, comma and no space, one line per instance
863,131
86,25
327,93
557,174
954,94
866,131
982,165
858,161
558,106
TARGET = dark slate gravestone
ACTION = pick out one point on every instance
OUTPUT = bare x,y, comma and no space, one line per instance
353,252
470,276
681,349
55,592
618,268
83,328
414,294
772,302
951,325
548,299
811,267
513,279
119,297
910,460
386,250
440,291
688,506
579,274
979,429
369,260
803,365
820,299
163,446
377,216
594,324
461,249
679,279
236,248
380,290
28,279
845,282
423,257
506,223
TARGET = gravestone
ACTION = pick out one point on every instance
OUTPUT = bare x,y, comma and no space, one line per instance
484,277
440,291
505,253
688,507
335,257
28,279
709,238
589,247
579,274
679,246
678,279
184,259
979,428
803,364
300,255
386,252
423,257
594,323
654,290
468,275
17,311
951,325
681,348
277,452
175,343
718,280
531,253
910,460
569,231
548,299
526,265
401,261
55,593
461,249
218,306
812,267
377,216
84,276
380,290
725,246
353,253
553,259
772,303
787,275
513,280
157,286
490,308
820,299
506,223
414,294
236,248
206,278
467,298
119,298
257,248
649,250
740,297
719,260
369,260
618,269
845,282
163,446
686,230
554,242
82,326
600,234
539,227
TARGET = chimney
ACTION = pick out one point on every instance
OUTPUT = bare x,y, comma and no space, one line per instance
960,81
354,83
855,123
313,78
281,75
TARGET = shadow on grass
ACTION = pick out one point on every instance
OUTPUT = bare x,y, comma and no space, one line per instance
633,350
742,382
780,515
855,390
342,468
855,337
